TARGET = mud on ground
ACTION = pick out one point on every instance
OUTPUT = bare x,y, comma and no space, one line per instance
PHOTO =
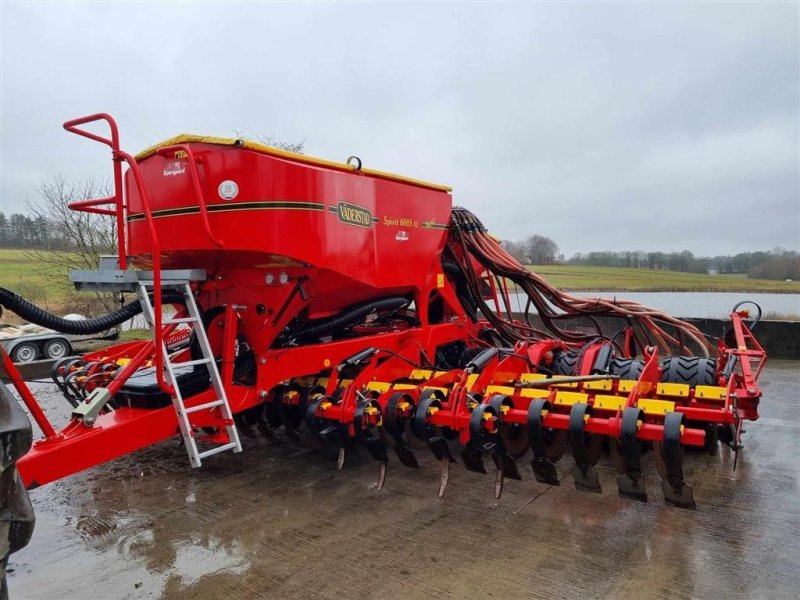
279,521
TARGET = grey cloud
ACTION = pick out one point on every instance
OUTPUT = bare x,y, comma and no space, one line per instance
609,126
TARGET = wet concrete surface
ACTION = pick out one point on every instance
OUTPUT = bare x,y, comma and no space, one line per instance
278,521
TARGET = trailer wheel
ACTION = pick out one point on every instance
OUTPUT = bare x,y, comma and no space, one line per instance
57,349
25,352
691,370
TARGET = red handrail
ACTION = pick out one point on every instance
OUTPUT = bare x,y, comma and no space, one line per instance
91,206
118,156
151,228
198,191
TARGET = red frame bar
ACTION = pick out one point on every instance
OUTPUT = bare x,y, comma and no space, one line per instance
27,397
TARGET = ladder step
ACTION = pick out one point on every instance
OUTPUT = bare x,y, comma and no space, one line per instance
191,363
177,321
205,406
217,450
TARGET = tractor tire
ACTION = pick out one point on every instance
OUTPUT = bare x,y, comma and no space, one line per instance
564,363
16,512
25,352
57,349
691,370
627,368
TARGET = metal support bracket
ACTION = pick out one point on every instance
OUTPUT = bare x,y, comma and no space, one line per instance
90,409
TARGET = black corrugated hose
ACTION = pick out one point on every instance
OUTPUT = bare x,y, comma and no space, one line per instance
33,314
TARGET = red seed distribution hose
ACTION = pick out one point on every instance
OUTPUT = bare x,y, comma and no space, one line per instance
470,239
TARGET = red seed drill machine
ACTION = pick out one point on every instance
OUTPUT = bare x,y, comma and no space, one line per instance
285,291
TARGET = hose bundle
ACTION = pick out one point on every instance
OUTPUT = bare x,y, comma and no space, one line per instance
468,239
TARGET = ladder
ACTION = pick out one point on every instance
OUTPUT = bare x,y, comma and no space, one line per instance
207,361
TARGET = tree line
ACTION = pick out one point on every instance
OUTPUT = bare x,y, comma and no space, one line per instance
51,226
776,264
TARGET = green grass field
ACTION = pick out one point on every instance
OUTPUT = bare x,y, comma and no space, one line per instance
38,282
580,278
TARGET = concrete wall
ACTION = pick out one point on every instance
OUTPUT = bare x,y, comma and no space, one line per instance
781,339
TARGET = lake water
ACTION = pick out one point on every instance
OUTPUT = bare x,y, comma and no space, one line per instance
694,304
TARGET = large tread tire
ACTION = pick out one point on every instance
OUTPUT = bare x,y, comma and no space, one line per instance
564,363
627,368
691,370
16,512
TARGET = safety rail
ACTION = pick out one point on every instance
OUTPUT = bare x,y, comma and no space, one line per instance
93,206
118,156
198,191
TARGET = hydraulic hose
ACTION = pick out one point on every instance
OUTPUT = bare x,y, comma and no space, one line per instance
351,315
32,313
468,239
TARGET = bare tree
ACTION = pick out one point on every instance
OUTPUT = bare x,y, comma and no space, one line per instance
271,140
518,250
75,240
541,250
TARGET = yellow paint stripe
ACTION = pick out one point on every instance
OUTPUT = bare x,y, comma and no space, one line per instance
499,389
534,393
570,398
602,384
655,407
420,374
379,386
710,392
603,402
525,377
680,390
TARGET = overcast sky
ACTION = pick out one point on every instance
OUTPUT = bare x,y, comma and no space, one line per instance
614,126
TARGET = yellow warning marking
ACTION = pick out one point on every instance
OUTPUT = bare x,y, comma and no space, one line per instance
570,398
626,385
601,384
680,390
345,382
404,386
602,402
499,389
420,374
710,392
525,377
656,407
534,393
440,280
378,386
472,379
563,385
123,361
